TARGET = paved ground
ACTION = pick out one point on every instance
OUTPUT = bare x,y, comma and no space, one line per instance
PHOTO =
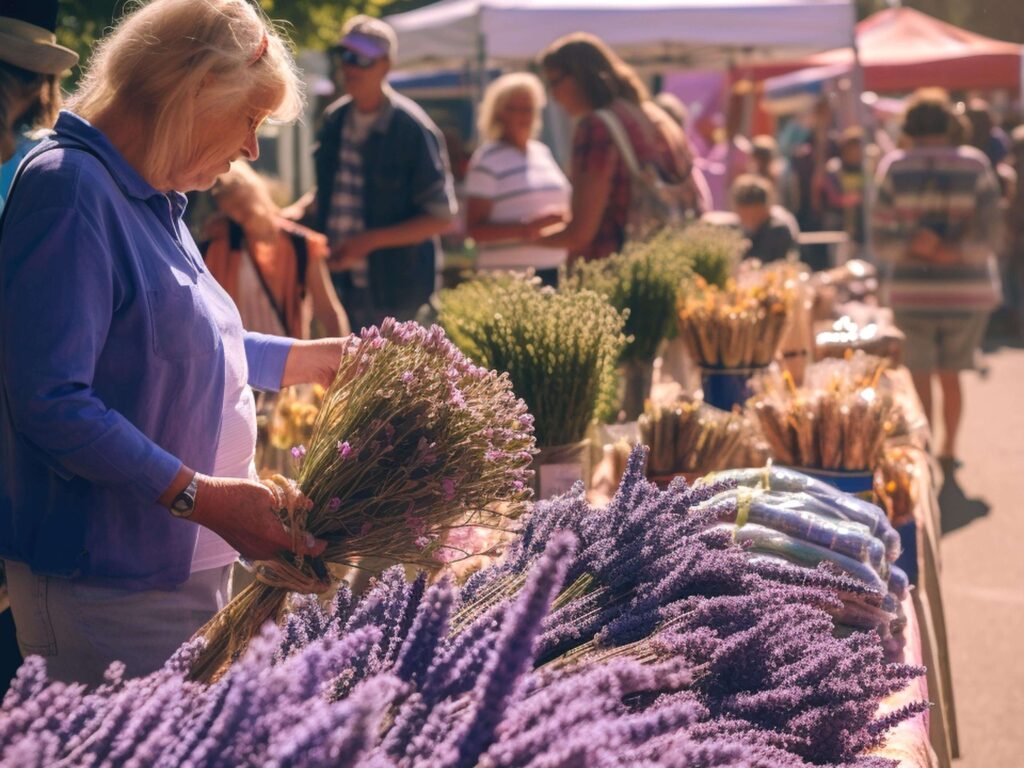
983,566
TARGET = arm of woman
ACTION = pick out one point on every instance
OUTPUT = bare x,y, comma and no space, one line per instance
483,230
591,191
594,157
242,513
326,307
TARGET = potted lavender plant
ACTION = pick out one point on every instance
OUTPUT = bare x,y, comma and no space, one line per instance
560,350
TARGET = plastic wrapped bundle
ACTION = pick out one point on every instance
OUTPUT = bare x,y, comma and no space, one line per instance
833,502
792,514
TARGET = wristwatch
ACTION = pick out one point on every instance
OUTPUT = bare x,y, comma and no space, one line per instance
185,501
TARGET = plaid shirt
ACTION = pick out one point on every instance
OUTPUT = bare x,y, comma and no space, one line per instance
592,148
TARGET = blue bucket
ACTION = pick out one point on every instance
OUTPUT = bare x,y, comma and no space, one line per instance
857,483
726,387
908,557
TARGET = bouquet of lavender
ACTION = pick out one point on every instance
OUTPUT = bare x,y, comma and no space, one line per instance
560,349
411,439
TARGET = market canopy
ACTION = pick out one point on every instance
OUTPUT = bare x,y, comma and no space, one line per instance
902,49
452,32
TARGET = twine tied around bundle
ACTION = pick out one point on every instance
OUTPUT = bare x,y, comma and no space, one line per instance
287,571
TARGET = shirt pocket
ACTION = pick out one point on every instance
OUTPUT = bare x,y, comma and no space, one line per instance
182,326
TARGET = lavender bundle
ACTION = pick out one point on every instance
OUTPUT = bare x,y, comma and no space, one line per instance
412,439
735,327
690,654
655,580
838,420
691,436
560,349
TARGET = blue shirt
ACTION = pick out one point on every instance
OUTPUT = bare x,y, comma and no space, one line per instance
22,147
111,366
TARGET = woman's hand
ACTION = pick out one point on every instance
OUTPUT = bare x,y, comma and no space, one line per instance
537,228
242,513
313,362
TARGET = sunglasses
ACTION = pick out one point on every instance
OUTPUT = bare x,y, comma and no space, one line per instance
349,58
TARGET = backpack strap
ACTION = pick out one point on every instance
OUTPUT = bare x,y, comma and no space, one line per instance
621,139
301,245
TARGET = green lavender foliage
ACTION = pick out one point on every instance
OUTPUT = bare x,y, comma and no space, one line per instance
643,283
560,349
712,252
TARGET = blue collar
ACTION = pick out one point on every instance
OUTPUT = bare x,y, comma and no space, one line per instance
79,131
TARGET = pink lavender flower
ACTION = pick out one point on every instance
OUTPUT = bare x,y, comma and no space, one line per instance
448,488
334,504
298,452
344,449
458,399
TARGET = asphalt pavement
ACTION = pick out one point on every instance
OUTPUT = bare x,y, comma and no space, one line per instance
982,568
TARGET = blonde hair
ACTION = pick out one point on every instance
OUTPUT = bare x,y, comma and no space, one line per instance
497,96
174,62
242,177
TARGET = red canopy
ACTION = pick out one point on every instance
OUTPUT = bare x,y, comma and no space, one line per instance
902,49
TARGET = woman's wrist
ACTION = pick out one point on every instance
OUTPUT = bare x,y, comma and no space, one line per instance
179,484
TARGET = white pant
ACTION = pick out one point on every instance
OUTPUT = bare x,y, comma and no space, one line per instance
80,629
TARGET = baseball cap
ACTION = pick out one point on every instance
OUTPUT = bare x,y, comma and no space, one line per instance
369,37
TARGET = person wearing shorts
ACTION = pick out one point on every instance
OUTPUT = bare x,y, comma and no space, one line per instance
936,227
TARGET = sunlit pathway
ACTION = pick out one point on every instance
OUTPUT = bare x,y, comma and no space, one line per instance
983,566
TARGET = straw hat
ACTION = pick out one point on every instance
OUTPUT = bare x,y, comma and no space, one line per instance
28,39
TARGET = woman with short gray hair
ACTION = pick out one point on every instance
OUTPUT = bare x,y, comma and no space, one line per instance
127,424
514,187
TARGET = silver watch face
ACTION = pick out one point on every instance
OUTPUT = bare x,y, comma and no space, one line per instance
185,501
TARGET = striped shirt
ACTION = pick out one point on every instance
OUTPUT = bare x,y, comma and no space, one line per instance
952,193
521,186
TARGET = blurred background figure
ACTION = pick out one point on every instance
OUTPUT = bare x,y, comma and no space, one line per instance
936,227
764,157
803,189
514,187
771,229
844,189
274,269
384,192
611,107
31,63
986,134
1013,271
696,194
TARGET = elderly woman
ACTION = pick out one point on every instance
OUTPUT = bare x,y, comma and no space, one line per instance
127,427
514,187
600,91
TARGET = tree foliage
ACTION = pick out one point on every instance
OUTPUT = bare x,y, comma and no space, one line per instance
309,23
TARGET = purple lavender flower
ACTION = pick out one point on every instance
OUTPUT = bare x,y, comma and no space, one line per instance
345,449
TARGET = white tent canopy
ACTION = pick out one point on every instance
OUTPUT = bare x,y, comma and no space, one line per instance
452,32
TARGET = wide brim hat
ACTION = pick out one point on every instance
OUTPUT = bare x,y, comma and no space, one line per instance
33,48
